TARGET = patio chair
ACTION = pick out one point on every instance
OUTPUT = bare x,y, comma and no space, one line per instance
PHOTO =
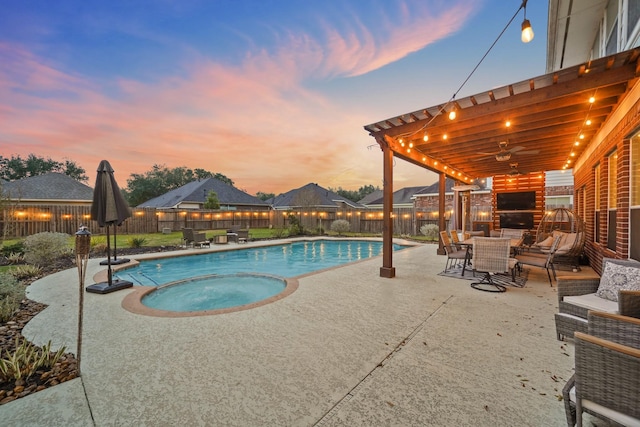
192,238
455,239
541,260
454,255
512,233
492,255
606,383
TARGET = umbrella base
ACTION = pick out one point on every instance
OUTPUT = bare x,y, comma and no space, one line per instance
115,261
104,288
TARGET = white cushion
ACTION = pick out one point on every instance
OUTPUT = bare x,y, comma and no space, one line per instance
546,242
593,302
616,416
616,277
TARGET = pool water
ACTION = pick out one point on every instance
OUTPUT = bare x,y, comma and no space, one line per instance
288,260
236,278
214,292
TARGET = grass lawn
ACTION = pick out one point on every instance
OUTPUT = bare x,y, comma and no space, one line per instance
175,238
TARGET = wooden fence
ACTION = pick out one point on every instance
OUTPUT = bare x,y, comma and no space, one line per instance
21,221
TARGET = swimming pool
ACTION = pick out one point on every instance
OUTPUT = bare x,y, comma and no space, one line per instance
227,280
286,260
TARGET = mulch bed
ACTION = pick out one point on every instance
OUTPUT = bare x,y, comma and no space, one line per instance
67,366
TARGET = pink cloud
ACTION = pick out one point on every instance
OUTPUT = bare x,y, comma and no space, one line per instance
255,122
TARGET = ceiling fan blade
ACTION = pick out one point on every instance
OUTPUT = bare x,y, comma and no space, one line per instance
491,156
516,149
529,152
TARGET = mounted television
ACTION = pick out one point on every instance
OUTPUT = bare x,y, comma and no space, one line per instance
516,201
519,220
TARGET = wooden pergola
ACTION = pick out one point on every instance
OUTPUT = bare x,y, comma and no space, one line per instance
541,124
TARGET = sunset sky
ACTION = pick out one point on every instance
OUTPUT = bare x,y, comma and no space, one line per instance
273,94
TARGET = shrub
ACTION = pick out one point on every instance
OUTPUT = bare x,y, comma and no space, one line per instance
42,248
15,258
11,293
14,248
431,231
340,226
23,272
136,242
27,359
7,308
295,228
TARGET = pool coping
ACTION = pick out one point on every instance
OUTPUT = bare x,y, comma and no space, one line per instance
132,302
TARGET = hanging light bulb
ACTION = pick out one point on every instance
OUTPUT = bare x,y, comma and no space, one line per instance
527,31
452,113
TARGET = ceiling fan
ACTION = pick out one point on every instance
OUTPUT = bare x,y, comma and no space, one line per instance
513,171
504,155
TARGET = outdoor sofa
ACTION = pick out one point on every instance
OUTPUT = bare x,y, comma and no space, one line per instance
606,382
617,291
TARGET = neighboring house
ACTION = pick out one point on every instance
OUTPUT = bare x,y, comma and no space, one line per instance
50,202
194,194
49,188
371,197
402,198
607,175
312,196
316,207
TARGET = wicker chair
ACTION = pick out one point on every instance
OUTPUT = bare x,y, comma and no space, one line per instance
572,317
455,239
541,260
606,383
454,255
492,255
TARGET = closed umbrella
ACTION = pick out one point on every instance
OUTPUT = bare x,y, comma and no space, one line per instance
109,209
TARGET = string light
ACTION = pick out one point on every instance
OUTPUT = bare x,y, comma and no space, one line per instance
580,136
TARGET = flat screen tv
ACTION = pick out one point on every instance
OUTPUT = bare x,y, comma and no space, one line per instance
519,220
516,201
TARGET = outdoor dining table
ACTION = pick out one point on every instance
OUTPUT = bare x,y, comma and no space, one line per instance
515,245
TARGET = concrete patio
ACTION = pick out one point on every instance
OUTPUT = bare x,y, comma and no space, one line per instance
346,348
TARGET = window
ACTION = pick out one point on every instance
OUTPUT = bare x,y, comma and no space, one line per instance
612,185
635,171
611,25
634,213
553,202
612,181
633,16
596,196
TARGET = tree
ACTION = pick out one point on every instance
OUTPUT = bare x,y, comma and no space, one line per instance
355,195
160,179
16,167
212,201
265,196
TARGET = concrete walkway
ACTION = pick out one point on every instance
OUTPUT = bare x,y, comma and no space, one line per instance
347,348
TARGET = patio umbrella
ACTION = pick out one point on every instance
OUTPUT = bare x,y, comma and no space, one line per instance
109,209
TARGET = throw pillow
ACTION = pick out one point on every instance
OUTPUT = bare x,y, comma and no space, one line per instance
617,277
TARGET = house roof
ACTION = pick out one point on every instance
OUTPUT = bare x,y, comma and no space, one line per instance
311,195
547,116
51,186
375,195
197,191
402,196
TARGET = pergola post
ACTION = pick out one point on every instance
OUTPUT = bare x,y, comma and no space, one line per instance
387,269
441,204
